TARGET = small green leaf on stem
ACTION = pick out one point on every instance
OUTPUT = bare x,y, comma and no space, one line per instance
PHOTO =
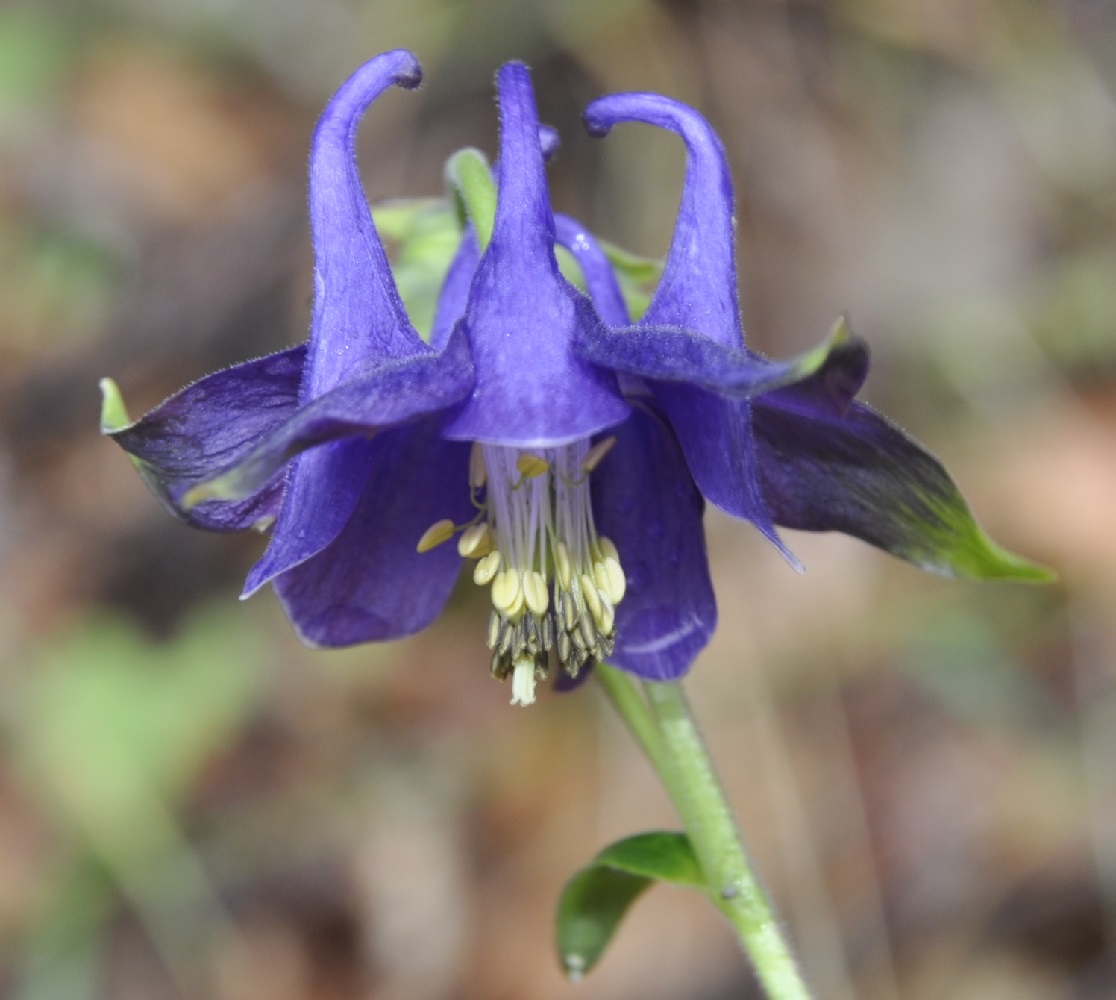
596,898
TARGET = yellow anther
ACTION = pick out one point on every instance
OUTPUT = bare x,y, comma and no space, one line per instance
607,548
562,565
589,592
515,610
607,618
600,576
487,568
437,533
264,523
535,593
594,455
506,590
478,472
475,542
530,466
610,578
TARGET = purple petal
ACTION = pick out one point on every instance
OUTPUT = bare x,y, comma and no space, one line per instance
369,401
326,482
646,502
829,464
358,315
697,292
832,388
323,488
600,279
256,511
208,425
455,289
370,584
676,355
824,471
698,287
716,438
549,141
531,390
359,323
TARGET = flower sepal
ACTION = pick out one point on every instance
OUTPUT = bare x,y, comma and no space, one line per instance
211,422
676,354
830,463
379,397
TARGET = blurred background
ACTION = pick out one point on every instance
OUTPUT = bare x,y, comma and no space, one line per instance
192,805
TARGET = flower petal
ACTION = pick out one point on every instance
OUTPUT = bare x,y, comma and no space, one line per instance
455,289
370,400
210,424
828,465
646,502
325,483
600,280
697,293
677,355
358,315
698,287
323,486
370,583
531,390
716,438
258,511
549,141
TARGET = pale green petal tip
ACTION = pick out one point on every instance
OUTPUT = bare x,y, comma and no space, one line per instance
957,546
114,414
815,359
840,334
983,559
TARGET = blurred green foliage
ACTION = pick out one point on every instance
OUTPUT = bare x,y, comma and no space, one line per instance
110,732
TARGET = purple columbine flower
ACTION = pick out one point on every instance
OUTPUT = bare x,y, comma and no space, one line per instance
569,455
804,454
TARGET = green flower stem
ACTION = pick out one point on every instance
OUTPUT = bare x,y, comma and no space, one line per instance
629,703
664,727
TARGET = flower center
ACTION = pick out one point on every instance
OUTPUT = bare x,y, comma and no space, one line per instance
555,582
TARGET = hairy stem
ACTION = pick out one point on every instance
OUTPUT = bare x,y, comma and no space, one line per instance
663,725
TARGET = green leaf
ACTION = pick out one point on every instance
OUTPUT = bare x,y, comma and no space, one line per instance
596,898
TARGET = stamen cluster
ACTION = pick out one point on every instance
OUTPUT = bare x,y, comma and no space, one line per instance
555,582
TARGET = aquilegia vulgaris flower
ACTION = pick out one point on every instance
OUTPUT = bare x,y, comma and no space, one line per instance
568,449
